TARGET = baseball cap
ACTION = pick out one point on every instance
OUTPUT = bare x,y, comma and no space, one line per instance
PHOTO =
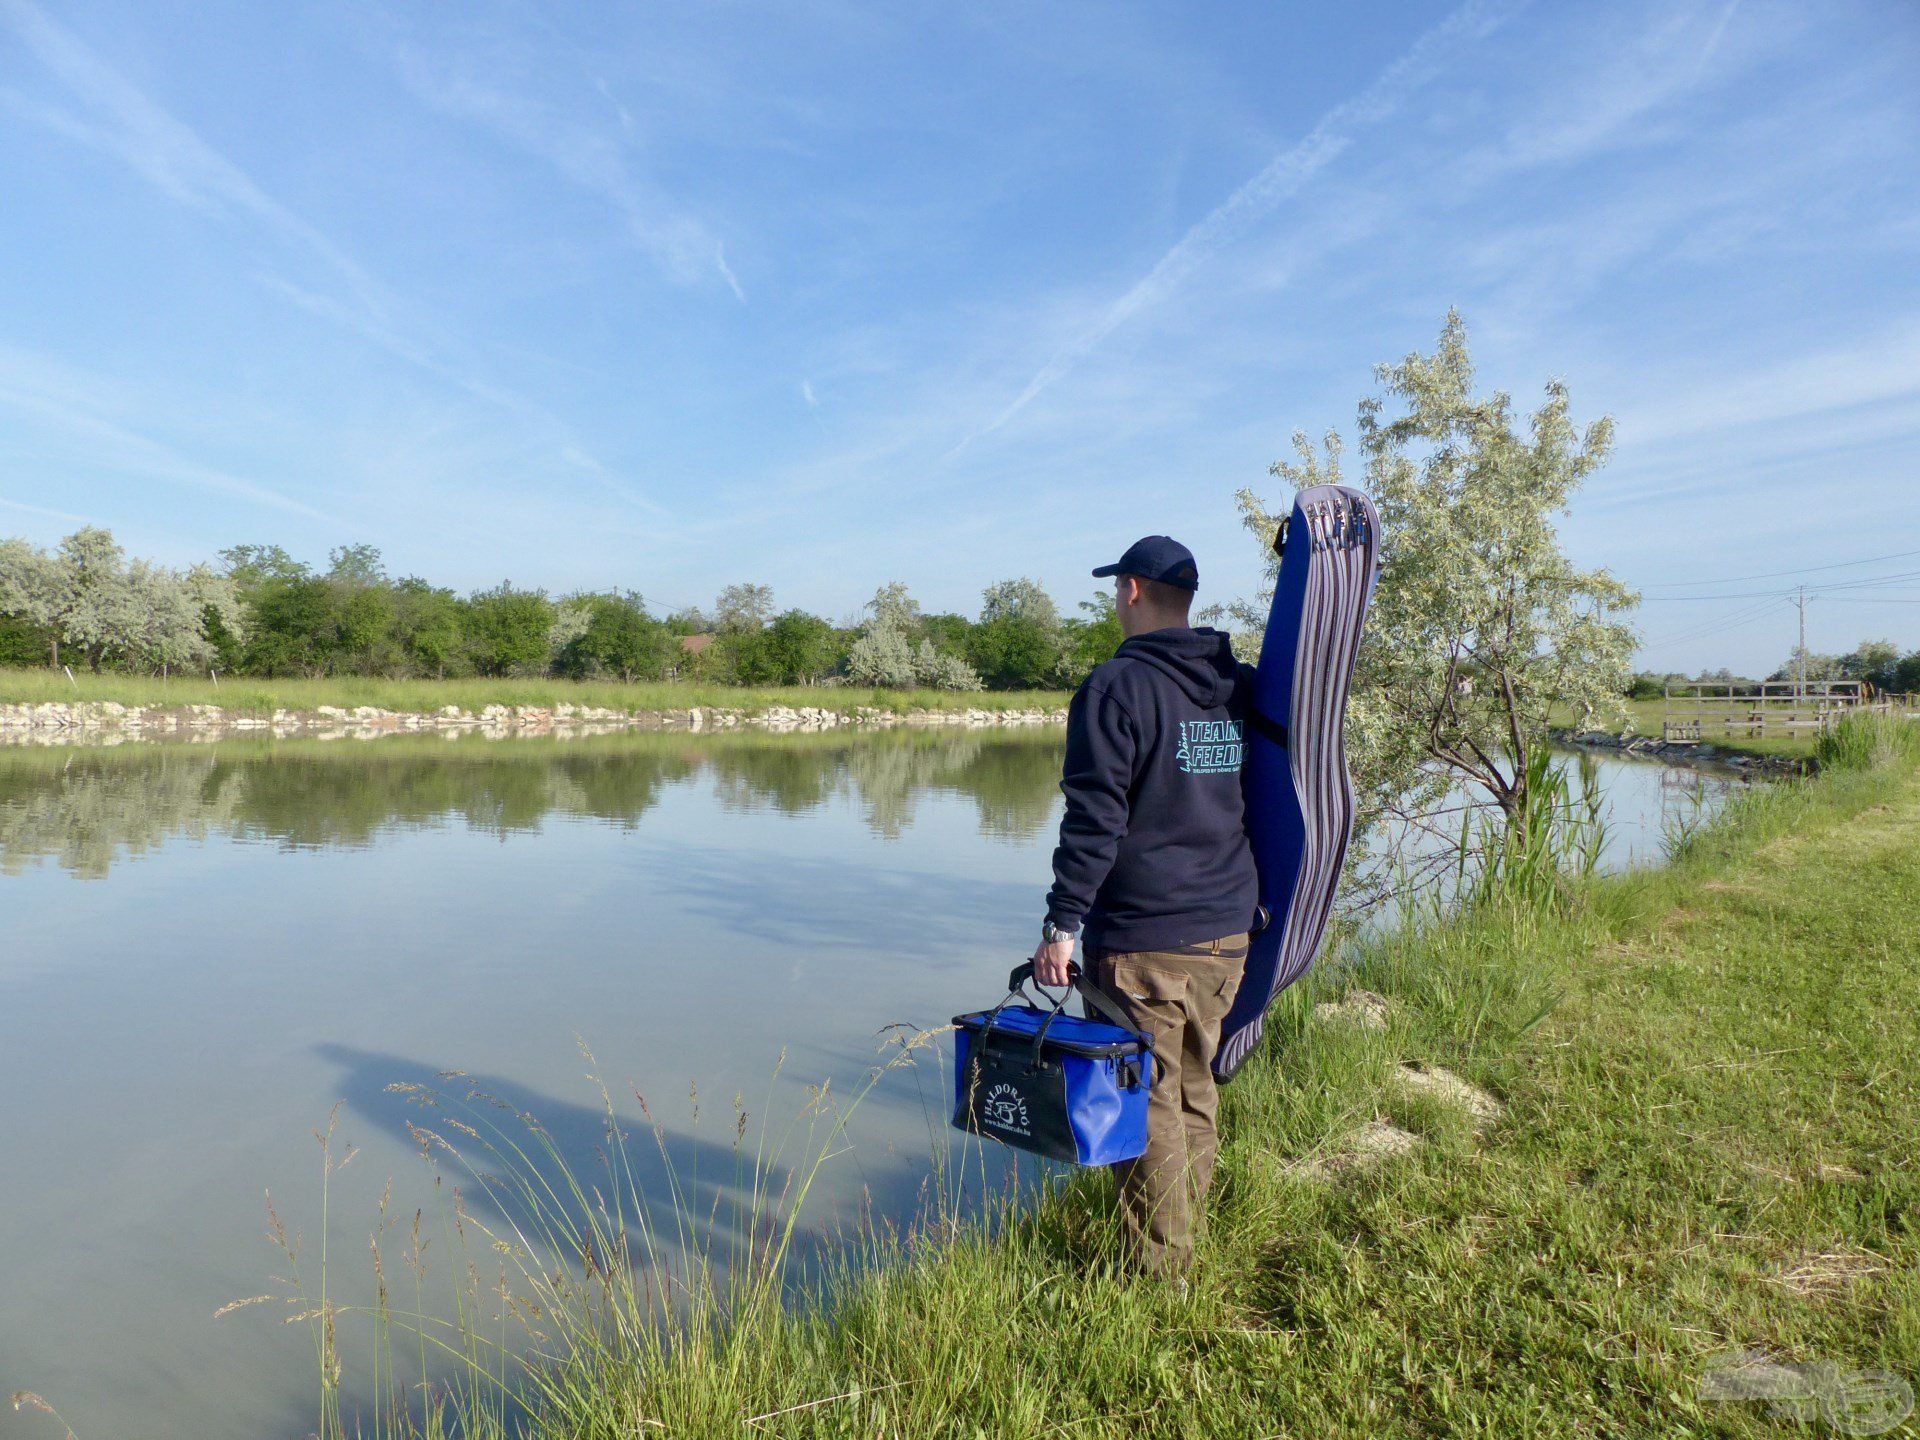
1157,557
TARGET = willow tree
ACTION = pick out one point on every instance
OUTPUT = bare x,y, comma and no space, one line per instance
1481,624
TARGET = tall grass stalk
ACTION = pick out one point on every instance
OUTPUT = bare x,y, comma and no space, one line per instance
1862,742
576,1282
1534,860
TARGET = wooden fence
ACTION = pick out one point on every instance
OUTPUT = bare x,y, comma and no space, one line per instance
1707,711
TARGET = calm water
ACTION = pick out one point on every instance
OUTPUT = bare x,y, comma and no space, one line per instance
206,947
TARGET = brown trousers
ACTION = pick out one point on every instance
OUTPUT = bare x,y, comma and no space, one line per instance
1179,997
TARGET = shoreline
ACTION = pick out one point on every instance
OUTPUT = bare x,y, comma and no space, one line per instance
1699,755
60,722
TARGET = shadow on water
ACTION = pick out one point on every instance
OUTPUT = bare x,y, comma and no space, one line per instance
89,808
725,1193
667,1170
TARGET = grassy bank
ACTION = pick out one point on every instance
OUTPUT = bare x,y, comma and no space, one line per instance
1644,718
1706,1145
263,697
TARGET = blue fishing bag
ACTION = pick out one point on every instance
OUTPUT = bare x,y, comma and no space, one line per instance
1039,1079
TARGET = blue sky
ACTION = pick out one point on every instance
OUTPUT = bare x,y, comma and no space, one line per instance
671,295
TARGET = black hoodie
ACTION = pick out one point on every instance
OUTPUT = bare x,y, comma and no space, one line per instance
1153,848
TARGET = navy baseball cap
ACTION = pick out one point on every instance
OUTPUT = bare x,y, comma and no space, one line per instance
1157,557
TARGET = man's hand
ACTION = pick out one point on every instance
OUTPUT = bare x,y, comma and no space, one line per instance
1050,962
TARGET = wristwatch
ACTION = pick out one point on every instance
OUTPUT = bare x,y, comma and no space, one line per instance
1054,934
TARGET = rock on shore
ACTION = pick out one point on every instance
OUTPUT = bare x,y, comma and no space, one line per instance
55,722
1669,752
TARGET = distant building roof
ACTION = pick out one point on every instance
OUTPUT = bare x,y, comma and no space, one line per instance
695,644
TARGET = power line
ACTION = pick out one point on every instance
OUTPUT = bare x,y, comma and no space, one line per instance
1742,617
1777,574
1865,582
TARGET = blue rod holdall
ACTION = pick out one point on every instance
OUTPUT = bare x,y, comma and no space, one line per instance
1059,1085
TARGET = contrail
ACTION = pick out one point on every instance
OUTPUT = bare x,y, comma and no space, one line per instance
1282,178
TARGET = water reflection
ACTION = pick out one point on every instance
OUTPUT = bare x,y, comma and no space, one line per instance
87,809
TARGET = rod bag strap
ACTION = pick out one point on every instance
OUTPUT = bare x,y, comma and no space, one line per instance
1269,728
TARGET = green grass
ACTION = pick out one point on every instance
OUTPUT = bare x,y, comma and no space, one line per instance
262,697
1864,742
1708,1144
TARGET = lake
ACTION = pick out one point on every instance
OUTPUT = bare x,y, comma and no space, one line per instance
208,946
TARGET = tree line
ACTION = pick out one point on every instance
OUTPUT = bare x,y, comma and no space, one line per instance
259,611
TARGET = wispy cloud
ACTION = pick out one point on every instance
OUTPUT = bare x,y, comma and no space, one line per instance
1874,370
35,386
118,120
1281,178
65,517
591,156
1719,31
726,272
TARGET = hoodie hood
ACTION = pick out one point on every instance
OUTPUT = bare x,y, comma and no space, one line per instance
1199,661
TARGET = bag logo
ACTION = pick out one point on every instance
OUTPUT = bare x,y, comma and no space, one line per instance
1210,747
1005,1108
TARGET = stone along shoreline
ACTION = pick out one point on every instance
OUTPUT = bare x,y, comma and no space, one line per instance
63,722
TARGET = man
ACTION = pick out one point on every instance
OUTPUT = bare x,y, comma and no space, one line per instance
1154,875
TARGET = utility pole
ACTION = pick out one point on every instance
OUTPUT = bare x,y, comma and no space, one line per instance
1800,655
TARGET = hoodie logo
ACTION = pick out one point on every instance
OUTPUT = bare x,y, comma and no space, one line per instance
1210,747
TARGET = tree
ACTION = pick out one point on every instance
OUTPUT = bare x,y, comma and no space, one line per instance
570,620
356,565
620,639
27,587
1874,661
223,618
93,606
1809,666
250,565
947,631
799,647
1474,586
426,625
285,607
1019,600
943,672
1647,685
1013,652
892,608
1093,637
882,658
360,619
167,631
743,607
1906,675
1018,644
506,630
289,613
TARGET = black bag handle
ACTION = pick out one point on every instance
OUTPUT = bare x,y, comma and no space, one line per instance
1097,1000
